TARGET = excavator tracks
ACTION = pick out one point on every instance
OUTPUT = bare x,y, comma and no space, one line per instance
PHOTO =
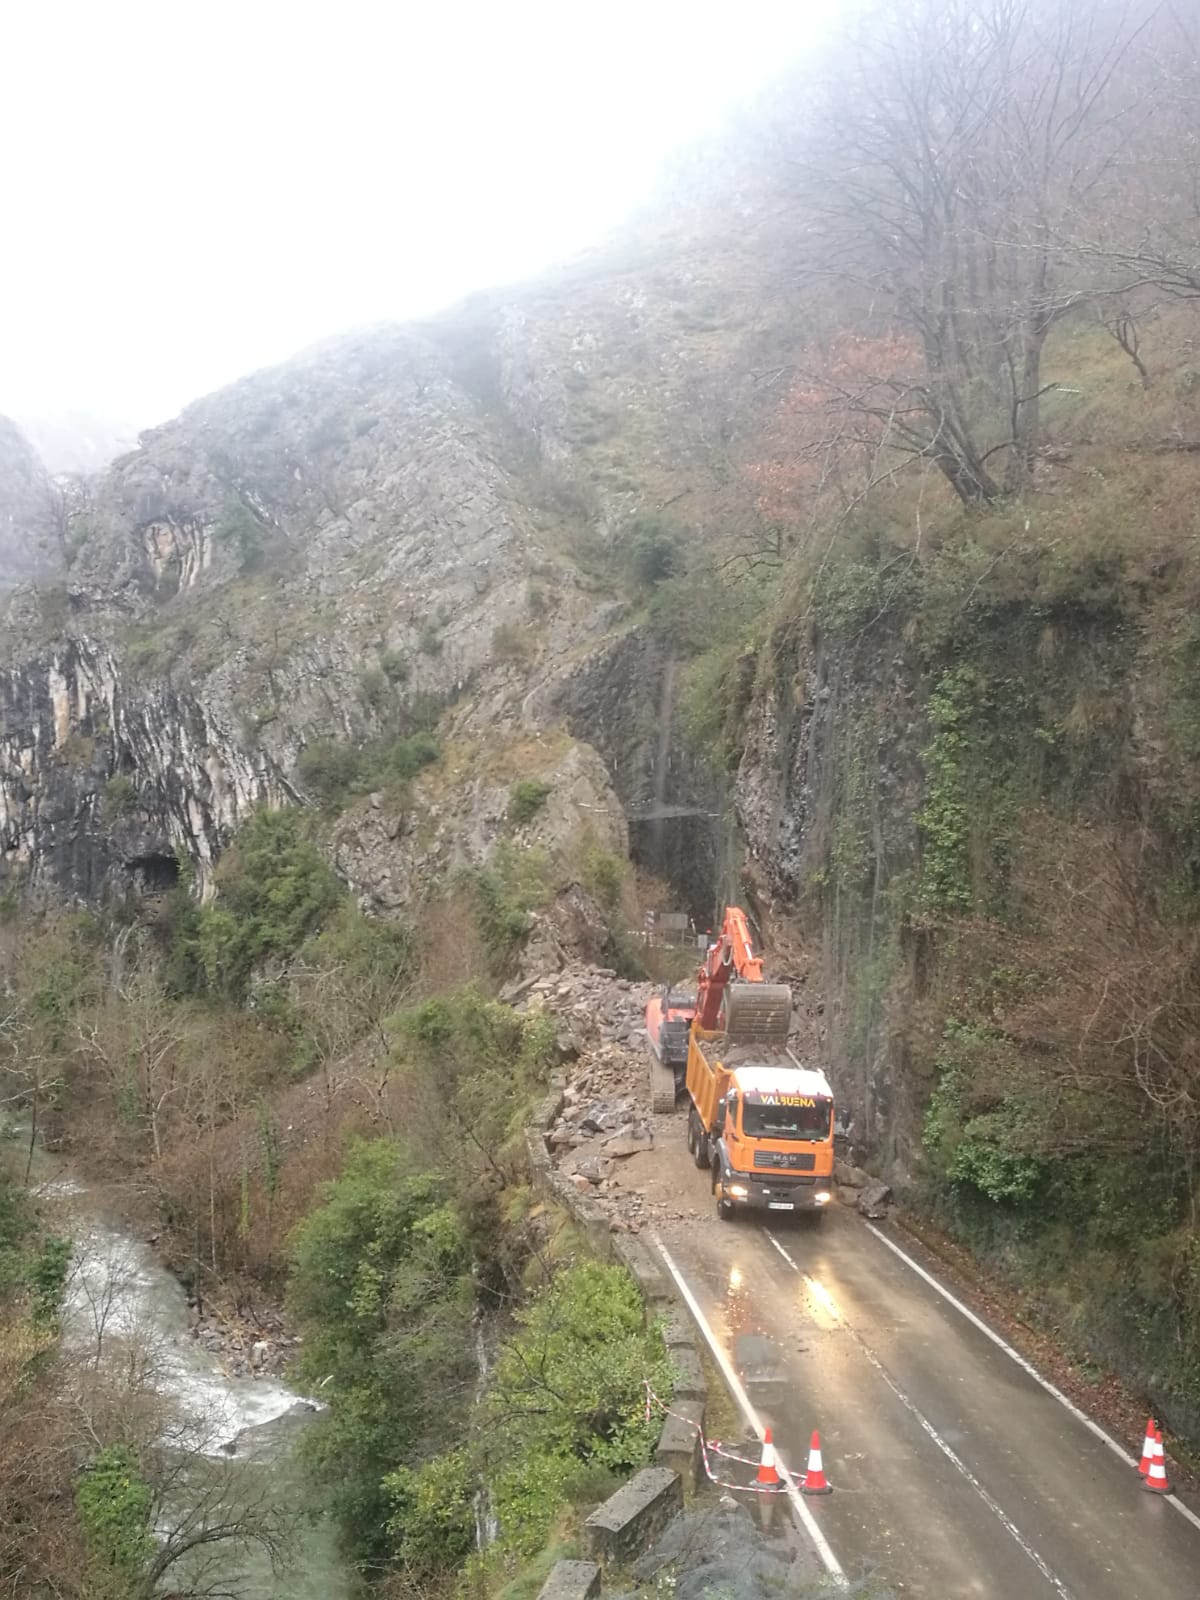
662,1087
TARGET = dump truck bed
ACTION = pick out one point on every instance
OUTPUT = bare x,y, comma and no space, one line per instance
712,1064
717,1053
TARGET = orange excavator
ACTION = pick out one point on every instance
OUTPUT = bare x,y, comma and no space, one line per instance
745,1009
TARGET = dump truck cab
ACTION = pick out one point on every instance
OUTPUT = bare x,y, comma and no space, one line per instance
759,1121
763,1126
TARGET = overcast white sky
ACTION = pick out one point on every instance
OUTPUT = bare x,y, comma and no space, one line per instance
195,190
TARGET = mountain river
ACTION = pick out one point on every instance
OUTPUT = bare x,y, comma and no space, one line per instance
123,1306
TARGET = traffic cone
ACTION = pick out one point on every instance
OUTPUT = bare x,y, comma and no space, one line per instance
1156,1479
768,1475
815,1481
1147,1448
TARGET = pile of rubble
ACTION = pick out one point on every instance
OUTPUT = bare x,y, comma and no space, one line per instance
606,1114
590,1003
605,1117
254,1347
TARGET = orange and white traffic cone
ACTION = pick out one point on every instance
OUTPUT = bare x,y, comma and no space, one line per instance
815,1481
1156,1479
768,1473
1147,1448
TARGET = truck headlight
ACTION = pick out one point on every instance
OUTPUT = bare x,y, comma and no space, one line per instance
739,1191
822,1197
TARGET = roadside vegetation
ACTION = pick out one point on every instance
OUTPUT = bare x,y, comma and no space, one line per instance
314,1118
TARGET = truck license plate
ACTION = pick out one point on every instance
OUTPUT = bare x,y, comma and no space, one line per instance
780,1205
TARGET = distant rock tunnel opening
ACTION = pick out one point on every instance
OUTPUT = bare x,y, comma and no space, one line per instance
156,872
683,848
622,701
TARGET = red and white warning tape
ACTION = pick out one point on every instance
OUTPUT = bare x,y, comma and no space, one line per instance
713,1447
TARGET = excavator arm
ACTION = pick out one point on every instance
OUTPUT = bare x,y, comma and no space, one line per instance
755,1012
735,932
747,1011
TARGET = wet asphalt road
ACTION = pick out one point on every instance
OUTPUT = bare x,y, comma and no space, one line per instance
955,1473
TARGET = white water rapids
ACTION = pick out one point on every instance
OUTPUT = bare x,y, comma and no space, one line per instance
119,1294
123,1307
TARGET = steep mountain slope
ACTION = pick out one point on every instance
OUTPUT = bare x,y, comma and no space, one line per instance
411,520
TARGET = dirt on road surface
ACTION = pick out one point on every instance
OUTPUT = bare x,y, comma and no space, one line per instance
957,1474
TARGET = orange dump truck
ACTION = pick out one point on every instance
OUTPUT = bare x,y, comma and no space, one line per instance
760,1123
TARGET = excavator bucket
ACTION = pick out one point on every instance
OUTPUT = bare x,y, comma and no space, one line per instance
758,1013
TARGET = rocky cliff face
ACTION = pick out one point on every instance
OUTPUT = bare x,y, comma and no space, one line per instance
976,791
103,782
411,523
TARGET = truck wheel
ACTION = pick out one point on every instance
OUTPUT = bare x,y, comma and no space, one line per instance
696,1140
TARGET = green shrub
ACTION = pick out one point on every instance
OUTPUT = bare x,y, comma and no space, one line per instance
429,640
400,759
944,819
120,797
478,1062
115,1507
329,768
567,1394
603,876
433,1519
47,1277
250,536
373,685
395,666
850,596
274,888
335,772
526,798
380,1289
503,894
653,551
975,1134
671,617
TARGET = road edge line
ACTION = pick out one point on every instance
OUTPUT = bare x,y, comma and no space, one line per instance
822,1546
1023,1362
817,1289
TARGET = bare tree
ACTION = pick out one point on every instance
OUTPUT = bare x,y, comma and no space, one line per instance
346,1006
954,146
134,1042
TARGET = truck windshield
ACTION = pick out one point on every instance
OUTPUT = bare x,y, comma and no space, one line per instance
786,1117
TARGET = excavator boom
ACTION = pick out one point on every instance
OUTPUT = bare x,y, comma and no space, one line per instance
747,1011
733,953
736,930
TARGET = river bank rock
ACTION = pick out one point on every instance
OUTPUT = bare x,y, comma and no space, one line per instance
254,1346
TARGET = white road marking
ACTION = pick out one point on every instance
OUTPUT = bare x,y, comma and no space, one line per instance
826,1300
782,1251
1026,1366
799,1508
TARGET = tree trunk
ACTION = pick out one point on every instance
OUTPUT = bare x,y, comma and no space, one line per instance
1027,412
